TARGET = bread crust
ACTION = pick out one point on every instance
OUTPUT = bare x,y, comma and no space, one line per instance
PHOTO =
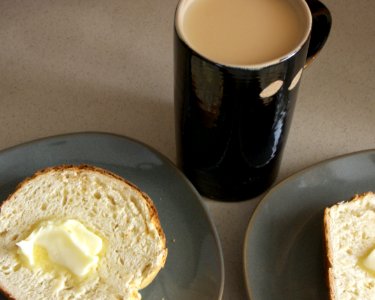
328,257
4,293
154,217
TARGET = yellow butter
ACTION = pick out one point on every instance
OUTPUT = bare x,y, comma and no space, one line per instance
369,261
68,244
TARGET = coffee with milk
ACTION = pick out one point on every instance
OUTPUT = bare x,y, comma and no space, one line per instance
242,32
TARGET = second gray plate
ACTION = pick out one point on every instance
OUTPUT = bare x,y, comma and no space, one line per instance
283,250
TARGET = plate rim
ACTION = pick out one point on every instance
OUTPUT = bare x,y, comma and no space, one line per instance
165,159
271,191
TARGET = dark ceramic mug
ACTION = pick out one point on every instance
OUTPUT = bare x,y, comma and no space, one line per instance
232,121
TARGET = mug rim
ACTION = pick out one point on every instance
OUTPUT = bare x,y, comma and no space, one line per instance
306,12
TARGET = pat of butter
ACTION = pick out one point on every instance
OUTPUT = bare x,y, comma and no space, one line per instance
69,244
369,261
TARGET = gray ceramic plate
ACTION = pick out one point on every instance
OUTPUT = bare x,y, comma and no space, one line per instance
194,268
283,250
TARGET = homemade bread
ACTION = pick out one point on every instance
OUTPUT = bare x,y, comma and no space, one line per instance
122,217
350,244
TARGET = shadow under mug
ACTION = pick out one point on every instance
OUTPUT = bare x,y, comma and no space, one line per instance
232,122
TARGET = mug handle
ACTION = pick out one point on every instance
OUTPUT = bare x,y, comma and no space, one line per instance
321,26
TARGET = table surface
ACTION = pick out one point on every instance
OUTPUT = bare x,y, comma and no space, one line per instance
73,66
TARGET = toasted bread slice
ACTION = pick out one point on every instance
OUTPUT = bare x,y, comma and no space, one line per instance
108,205
349,229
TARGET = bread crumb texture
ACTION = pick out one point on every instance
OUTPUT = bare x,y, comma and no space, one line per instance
351,237
123,216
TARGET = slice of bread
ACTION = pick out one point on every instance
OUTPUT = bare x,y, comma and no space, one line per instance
108,205
349,229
